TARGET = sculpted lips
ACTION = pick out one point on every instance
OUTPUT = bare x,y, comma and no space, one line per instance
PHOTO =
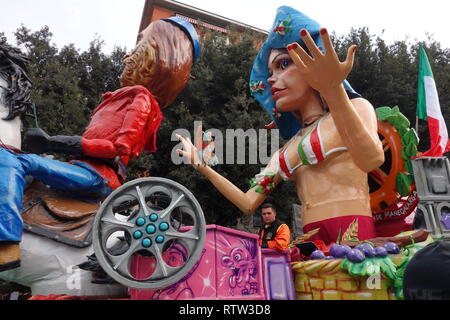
274,90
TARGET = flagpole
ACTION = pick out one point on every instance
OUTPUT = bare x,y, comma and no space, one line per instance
417,125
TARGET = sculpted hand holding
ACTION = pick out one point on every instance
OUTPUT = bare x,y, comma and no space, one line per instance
191,152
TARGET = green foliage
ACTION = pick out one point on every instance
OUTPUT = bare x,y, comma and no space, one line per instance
409,139
69,84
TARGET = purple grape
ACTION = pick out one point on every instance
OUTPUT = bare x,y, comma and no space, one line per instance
367,249
392,248
381,251
346,248
339,251
333,248
317,254
356,255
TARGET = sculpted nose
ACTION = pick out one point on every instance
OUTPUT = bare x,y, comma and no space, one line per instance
272,79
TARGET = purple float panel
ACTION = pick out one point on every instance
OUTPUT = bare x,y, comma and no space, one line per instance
278,277
229,268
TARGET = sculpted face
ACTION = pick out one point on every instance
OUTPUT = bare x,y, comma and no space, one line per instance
289,90
161,61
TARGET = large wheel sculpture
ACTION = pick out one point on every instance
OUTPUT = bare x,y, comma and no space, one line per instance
149,215
385,176
394,179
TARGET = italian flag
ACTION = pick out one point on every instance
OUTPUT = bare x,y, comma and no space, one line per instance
428,108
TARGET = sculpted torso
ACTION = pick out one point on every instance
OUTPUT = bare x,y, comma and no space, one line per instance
333,187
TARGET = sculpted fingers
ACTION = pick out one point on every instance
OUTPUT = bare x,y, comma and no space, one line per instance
189,151
187,144
182,153
348,63
199,138
310,44
326,40
298,55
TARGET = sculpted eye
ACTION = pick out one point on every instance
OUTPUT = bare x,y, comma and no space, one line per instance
284,63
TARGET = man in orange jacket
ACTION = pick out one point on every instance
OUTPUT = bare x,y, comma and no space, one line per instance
273,234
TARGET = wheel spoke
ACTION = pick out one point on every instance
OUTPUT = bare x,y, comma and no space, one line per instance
385,144
379,176
142,201
181,235
162,268
118,223
118,261
172,206
158,273
189,239
161,261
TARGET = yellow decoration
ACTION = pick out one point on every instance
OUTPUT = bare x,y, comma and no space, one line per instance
325,280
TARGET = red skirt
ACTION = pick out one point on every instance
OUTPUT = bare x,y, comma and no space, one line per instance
330,228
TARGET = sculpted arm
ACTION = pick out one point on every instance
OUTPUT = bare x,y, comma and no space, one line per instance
356,123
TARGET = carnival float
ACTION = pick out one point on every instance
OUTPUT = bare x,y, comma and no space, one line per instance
149,235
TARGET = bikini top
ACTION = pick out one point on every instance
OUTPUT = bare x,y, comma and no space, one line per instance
310,150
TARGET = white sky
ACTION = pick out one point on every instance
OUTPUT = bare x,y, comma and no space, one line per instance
117,21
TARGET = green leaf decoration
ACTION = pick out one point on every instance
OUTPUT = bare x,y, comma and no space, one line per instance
260,190
383,113
410,141
409,151
388,268
410,137
404,183
371,266
409,167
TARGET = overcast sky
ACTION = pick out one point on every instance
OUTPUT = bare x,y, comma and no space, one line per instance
117,21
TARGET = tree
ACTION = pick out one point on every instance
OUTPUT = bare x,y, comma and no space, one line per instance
59,101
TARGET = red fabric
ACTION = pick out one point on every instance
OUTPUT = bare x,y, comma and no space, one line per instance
315,144
283,165
435,140
124,124
392,228
329,228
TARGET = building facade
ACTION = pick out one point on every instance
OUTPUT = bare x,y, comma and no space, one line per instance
204,22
